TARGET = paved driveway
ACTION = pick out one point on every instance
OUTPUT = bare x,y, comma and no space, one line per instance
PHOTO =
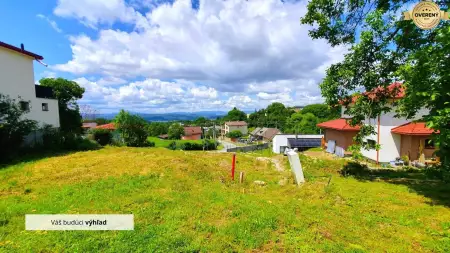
226,145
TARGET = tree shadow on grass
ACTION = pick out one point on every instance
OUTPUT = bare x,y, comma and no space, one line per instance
32,157
425,182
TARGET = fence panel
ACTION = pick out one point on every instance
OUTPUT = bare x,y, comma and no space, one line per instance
249,148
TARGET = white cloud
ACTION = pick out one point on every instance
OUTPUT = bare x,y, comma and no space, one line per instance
204,92
94,12
226,43
243,53
52,23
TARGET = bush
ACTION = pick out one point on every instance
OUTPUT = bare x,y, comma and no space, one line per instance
13,128
150,144
86,144
55,139
234,134
206,145
102,136
172,145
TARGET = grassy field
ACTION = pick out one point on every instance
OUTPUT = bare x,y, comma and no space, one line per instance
164,143
184,201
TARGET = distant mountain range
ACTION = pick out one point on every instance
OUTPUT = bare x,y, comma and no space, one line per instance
172,116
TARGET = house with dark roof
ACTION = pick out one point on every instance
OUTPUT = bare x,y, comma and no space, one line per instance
17,80
192,133
264,133
396,136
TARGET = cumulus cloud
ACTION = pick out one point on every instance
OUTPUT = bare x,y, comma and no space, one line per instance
243,53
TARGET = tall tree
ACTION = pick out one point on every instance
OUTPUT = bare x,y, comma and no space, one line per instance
322,111
176,130
67,92
235,115
132,129
302,123
385,48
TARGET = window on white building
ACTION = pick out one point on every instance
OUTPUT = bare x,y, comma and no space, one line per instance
371,143
45,107
24,106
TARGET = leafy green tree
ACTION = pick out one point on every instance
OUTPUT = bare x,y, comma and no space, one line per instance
258,118
176,130
322,111
211,133
235,115
302,123
13,127
234,134
157,128
385,48
275,115
201,121
67,92
132,129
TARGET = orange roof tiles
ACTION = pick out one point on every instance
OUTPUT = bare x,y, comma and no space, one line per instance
109,126
413,128
338,124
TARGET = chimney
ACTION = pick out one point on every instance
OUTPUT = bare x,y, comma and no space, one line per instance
22,46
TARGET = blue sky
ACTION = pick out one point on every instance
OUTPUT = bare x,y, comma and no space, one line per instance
165,56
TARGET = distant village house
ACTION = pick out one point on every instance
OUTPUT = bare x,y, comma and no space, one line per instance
233,126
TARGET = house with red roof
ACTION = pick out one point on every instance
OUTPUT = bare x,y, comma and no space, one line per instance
192,133
109,126
396,136
17,80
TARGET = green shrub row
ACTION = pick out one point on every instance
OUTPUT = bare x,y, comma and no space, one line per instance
205,145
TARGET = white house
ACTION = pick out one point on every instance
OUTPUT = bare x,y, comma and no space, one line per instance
282,141
233,126
396,136
17,81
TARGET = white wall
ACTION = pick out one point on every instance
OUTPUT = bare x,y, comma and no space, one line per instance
390,143
17,79
242,129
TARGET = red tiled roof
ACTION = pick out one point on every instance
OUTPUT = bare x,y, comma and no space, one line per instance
19,50
236,123
338,124
394,87
192,131
109,126
413,128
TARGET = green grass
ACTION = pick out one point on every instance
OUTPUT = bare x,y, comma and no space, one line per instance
164,143
185,202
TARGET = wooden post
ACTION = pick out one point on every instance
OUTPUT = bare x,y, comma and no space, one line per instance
241,177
